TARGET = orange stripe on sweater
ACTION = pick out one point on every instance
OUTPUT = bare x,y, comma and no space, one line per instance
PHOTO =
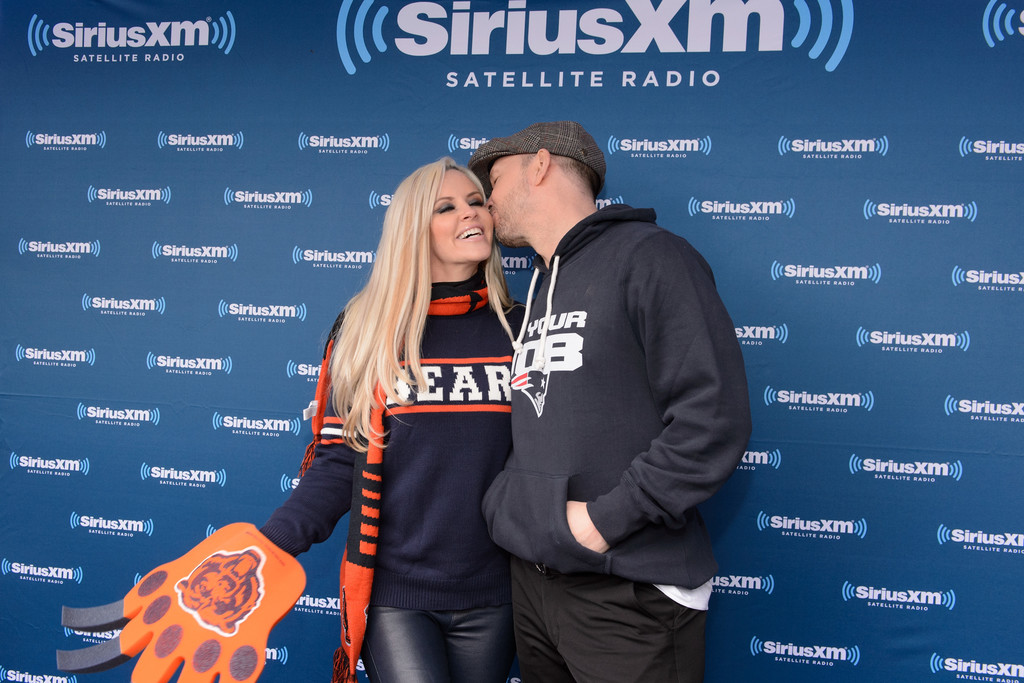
448,408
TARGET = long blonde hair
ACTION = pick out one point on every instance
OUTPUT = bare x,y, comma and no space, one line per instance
378,344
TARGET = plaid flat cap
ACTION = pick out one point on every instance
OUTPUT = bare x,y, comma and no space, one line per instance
562,138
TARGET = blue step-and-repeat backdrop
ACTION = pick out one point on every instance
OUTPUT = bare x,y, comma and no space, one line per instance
192,190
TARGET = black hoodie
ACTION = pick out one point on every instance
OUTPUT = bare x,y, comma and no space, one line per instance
632,397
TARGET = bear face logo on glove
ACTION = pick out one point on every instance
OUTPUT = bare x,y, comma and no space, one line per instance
223,590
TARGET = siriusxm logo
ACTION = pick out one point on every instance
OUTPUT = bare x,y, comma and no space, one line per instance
1007,541
742,211
514,263
137,197
754,459
826,275
986,279
211,142
742,585
757,335
924,342
323,258
26,677
71,250
135,307
170,476
919,470
189,366
307,370
261,314
461,144
602,202
992,150
833,149
629,27
973,666
68,142
813,528
916,600
268,200
118,527
122,417
319,603
68,358
31,572
805,654
670,148
377,199
219,33
827,402
288,483
985,410
207,253
997,24
52,466
921,213
345,144
247,426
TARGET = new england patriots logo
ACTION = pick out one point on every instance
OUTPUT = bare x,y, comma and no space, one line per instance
533,383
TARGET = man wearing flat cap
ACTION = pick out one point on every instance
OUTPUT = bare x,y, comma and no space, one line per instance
629,408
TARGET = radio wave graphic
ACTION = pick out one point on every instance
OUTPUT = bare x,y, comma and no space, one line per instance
222,308
963,340
303,140
868,400
770,395
854,654
453,143
870,209
971,211
785,145
286,483
613,144
374,199
775,458
763,521
882,145
358,30
782,333
949,405
863,337
19,353
144,471
92,194
756,646
849,591
768,582
777,270
826,14
693,206
956,469
995,25
292,369
959,276
944,535
224,32
935,663
965,146
949,600
860,527
855,464
38,35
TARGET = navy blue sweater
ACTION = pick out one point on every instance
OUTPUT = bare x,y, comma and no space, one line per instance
441,454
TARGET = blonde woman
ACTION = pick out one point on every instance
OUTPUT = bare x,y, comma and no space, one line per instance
416,429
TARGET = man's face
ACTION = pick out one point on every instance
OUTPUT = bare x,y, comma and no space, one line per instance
507,202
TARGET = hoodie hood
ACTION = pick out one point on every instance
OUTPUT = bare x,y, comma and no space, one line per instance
594,225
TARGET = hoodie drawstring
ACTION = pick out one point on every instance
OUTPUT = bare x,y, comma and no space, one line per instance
539,358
